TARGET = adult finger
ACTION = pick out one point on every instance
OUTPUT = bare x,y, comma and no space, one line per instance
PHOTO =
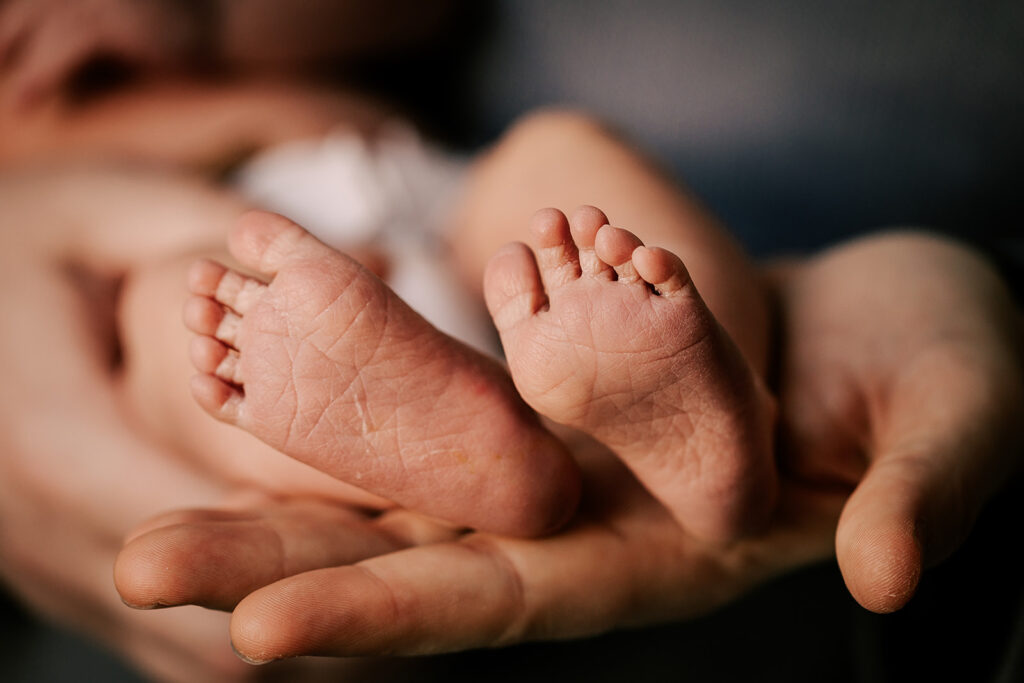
428,599
242,551
62,569
901,376
633,566
949,441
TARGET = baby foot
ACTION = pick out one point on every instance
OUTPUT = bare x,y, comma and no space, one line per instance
327,365
611,337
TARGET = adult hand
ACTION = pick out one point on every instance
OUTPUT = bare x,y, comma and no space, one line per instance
902,376
933,395
44,43
624,562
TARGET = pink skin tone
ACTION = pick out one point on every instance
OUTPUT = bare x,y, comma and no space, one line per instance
611,337
624,561
326,364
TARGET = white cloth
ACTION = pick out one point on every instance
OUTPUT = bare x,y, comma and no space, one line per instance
392,193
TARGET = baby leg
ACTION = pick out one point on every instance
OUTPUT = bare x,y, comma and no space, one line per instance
564,159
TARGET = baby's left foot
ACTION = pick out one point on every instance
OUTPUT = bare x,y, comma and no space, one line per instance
611,337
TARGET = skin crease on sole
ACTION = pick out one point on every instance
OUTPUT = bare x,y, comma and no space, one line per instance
324,363
609,336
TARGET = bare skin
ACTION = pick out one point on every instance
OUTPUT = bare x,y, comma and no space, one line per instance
194,126
624,561
45,43
611,337
564,159
655,575
71,420
326,364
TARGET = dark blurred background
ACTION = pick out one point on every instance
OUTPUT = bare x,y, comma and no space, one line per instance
799,122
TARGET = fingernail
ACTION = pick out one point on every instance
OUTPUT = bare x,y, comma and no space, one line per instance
146,606
247,659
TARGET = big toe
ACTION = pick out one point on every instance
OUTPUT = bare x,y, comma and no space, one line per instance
512,286
267,242
557,256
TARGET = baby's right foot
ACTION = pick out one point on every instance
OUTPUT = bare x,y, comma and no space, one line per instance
610,337
327,365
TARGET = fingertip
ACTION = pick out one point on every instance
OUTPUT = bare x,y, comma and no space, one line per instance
125,583
141,582
288,618
881,563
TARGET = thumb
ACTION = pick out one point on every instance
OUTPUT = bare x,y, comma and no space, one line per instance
947,447
880,540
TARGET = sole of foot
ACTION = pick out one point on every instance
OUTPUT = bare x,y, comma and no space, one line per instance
611,337
319,359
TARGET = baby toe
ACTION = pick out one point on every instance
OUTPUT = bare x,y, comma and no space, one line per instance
584,225
615,247
202,315
662,269
268,242
556,255
220,399
214,358
585,222
513,288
